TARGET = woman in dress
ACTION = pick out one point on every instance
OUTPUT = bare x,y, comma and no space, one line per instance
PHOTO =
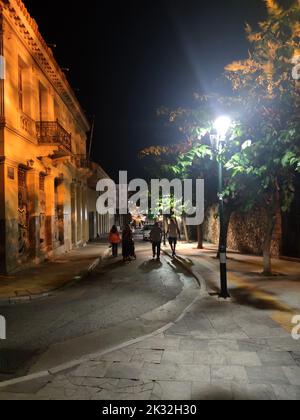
127,244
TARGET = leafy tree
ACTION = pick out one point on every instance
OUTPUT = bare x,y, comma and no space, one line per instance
195,156
270,99
190,159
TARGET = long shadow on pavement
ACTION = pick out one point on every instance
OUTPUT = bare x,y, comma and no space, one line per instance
250,297
149,266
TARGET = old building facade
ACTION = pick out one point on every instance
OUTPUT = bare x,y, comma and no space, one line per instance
43,167
99,224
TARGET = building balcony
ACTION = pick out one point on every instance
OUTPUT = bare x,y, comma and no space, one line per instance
27,124
83,165
52,133
82,161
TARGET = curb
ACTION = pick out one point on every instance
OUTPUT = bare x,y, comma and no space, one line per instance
72,364
76,279
200,279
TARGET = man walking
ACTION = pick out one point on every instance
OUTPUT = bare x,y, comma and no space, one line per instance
156,238
174,234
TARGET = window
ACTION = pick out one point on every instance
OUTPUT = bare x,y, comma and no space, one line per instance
43,103
56,110
20,88
42,182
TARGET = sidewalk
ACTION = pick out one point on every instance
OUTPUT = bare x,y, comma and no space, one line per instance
41,280
218,350
279,294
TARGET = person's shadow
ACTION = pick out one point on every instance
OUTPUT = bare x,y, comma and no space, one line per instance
149,266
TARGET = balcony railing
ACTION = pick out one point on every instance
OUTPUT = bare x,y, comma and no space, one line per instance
82,161
53,133
27,124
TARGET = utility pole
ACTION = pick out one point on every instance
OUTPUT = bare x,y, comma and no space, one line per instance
91,138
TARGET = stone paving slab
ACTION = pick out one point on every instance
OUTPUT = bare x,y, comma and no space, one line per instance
130,371
192,344
237,374
157,372
178,357
296,356
212,357
160,343
293,375
253,392
287,392
220,391
242,358
150,356
272,358
272,375
194,372
172,390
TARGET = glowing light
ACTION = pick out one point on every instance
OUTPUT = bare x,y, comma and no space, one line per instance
222,125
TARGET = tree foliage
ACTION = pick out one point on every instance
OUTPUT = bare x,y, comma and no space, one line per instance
262,155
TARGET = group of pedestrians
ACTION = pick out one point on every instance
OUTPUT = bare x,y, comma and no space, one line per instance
128,248
156,237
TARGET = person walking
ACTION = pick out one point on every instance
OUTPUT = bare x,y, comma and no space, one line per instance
128,250
174,234
114,239
156,238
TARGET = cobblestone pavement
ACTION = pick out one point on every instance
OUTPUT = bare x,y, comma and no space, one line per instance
218,350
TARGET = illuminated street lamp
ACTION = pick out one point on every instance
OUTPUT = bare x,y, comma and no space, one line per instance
221,126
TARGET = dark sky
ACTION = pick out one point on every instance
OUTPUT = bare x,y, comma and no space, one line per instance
128,58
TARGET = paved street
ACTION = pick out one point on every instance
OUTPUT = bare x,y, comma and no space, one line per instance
216,350
113,305
219,350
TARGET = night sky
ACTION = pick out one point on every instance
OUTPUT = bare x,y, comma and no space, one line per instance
129,58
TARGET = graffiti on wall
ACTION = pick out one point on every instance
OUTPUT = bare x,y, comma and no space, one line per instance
42,212
23,224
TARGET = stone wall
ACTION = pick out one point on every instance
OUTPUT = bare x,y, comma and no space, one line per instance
245,233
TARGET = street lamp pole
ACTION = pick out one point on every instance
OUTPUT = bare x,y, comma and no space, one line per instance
223,240
222,125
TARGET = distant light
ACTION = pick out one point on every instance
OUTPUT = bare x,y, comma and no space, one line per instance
222,125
